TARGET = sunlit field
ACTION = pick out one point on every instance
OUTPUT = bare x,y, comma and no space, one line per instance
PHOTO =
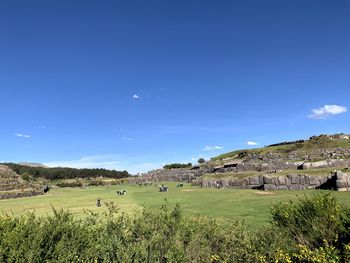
250,206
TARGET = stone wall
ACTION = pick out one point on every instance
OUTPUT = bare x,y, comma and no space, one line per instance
315,154
337,181
19,194
161,175
280,166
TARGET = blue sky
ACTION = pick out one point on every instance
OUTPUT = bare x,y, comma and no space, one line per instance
136,84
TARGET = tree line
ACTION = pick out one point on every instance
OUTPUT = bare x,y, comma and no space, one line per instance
177,165
65,172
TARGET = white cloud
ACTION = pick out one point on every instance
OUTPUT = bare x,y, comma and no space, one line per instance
42,127
22,135
327,111
127,139
251,143
212,148
135,96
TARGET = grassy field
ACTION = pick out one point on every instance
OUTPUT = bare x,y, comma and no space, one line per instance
251,206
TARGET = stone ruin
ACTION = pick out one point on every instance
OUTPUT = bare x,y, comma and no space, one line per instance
338,181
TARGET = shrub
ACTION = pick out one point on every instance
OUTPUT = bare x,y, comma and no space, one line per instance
26,176
70,184
201,160
95,183
166,235
177,165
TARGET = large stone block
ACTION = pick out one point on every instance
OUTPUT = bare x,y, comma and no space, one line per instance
288,181
294,178
254,180
261,179
233,182
307,180
302,179
341,184
282,180
314,180
275,180
267,179
282,187
323,179
270,187
296,187
224,183
339,175
245,181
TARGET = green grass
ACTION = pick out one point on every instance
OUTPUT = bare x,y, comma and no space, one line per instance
251,206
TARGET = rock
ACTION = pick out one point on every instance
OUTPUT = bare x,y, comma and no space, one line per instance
296,187
294,178
341,184
307,180
254,180
282,180
267,179
314,180
270,187
282,187
339,175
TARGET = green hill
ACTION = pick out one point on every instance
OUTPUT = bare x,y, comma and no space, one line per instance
315,148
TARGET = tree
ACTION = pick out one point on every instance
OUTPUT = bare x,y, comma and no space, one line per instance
201,160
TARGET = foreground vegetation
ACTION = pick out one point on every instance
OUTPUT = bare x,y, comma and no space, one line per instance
312,229
250,206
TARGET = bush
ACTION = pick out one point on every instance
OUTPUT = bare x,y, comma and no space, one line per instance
70,184
26,176
166,235
177,165
96,183
201,160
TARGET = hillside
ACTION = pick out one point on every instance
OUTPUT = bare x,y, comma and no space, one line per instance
12,185
314,149
297,162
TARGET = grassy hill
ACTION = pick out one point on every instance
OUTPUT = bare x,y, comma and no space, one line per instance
300,149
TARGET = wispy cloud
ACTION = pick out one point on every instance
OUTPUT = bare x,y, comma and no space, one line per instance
251,143
135,96
327,111
42,127
107,161
95,161
22,135
212,148
127,139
